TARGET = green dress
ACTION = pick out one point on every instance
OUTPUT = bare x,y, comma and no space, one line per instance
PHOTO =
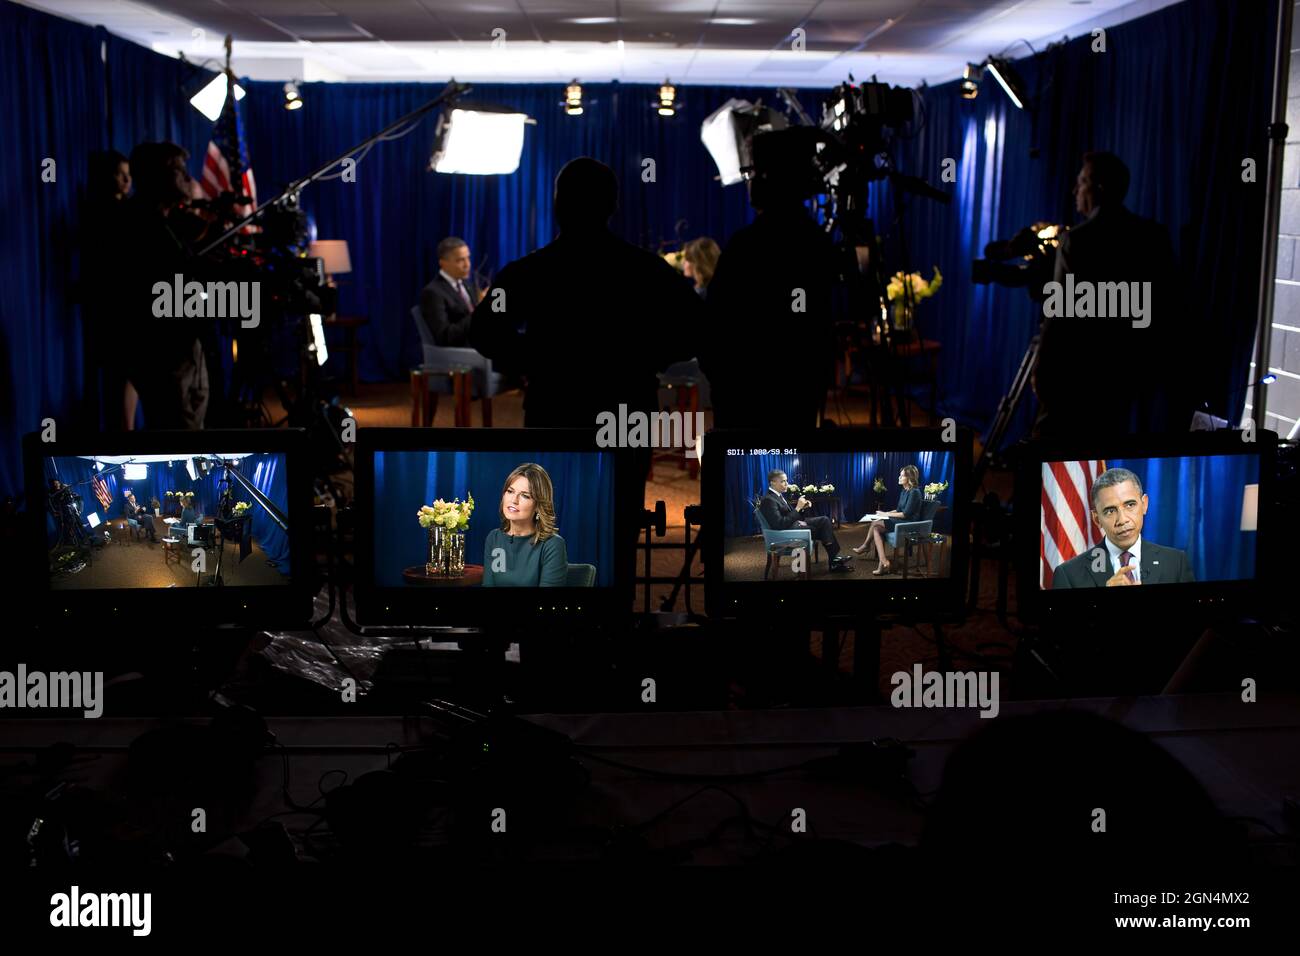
527,565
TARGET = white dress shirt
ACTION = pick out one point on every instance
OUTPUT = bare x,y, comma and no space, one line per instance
458,285
1136,560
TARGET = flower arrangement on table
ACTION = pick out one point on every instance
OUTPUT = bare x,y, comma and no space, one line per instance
241,508
169,494
445,522
905,307
675,259
933,489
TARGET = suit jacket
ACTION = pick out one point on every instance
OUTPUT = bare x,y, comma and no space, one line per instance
445,313
780,516
1160,565
587,342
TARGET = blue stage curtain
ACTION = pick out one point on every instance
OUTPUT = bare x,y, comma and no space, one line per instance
406,481
148,100
267,473
52,103
853,474
1182,96
1195,506
77,474
396,212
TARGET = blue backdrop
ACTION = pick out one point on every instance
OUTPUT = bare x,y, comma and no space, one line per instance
265,471
405,481
1181,94
853,475
1195,506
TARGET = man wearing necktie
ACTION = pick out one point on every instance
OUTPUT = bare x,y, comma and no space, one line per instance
1119,507
448,301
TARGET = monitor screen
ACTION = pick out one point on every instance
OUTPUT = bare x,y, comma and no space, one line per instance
835,521
140,521
470,528
512,519
1181,521
790,513
1148,521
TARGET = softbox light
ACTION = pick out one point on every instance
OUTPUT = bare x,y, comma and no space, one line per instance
478,142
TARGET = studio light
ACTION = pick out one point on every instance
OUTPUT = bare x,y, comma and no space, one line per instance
135,472
478,142
292,96
573,98
970,81
210,100
728,132
1009,80
667,99
318,339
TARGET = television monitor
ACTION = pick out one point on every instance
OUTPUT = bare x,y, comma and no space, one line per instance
544,540
1177,521
104,543
785,508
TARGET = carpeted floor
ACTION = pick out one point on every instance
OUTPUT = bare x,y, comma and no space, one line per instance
744,559
128,562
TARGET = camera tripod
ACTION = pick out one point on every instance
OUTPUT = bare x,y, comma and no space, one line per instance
1008,405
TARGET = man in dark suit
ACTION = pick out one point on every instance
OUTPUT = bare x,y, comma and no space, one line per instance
772,321
781,517
448,301
1119,507
589,319
1094,375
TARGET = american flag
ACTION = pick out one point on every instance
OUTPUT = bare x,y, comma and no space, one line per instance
1066,523
227,159
101,491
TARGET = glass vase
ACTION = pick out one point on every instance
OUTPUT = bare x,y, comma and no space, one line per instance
446,553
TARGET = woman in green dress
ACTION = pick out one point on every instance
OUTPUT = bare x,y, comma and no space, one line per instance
526,551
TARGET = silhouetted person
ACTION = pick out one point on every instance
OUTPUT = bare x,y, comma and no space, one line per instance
771,333
165,357
1026,791
108,185
1104,376
587,319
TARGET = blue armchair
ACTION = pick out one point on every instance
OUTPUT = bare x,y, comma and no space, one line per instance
923,526
777,543
437,358
580,576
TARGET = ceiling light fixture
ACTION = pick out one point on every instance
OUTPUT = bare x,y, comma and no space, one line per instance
292,96
667,104
573,98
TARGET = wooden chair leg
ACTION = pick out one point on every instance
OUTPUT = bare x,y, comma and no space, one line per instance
767,567
487,411
417,397
776,566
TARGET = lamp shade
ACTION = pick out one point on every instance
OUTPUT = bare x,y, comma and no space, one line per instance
333,253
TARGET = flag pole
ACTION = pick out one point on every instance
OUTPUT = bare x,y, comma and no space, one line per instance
449,92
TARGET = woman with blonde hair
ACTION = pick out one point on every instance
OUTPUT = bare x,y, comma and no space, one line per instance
699,261
526,551
909,509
